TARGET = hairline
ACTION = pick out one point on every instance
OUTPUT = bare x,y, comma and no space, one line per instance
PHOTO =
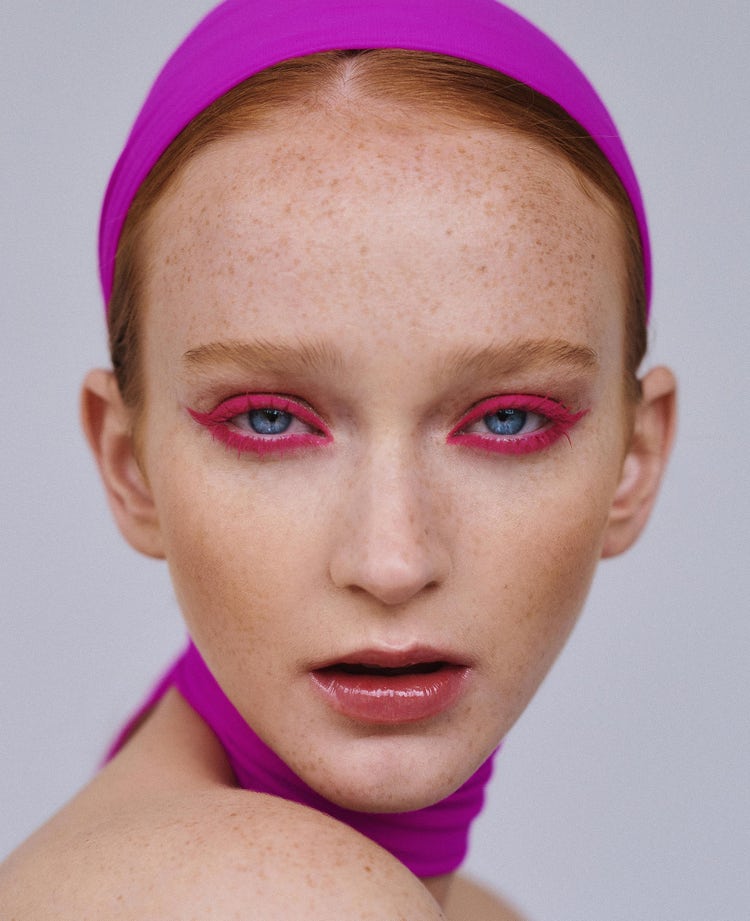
344,91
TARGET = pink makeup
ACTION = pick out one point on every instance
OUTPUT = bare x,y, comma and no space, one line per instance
514,424
263,423
389,688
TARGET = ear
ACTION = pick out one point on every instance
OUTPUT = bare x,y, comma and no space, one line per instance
645,461
108,426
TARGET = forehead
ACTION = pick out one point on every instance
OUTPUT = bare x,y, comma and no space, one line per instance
362,223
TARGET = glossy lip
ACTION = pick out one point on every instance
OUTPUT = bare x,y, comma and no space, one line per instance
424,683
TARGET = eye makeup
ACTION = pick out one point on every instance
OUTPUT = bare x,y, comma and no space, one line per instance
514,424
263,423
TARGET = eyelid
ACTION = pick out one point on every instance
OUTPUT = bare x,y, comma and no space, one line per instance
543,406
246,402
559,421
218,420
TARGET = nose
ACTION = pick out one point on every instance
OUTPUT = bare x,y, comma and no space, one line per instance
388,536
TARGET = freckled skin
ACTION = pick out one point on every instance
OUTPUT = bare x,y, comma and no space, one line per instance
395,249
162,833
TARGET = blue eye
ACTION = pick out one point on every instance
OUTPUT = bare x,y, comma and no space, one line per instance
264,423
269,421
505,421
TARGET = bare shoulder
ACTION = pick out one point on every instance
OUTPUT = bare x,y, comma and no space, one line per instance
468,900
225,856
127,850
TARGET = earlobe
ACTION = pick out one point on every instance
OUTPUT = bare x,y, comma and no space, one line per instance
644,463
107,424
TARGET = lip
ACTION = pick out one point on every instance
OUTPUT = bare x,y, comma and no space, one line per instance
391,686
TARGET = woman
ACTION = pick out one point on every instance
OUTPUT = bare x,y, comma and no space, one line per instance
376,319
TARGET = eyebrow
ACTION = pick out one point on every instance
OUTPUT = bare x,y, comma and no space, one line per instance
260,355
518,355
314,356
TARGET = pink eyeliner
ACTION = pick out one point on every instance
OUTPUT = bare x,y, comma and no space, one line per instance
222,423
556,418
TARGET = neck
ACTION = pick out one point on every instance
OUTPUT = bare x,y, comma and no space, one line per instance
438,887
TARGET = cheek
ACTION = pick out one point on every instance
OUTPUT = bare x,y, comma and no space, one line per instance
532,568
241,557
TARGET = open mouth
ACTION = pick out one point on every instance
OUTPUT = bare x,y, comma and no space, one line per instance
419,668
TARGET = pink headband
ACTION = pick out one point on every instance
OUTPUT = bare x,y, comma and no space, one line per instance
239,38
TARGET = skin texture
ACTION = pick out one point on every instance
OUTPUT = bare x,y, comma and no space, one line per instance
162,833
389,277
190,845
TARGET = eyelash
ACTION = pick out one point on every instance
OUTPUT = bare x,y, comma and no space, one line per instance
556,421
222,423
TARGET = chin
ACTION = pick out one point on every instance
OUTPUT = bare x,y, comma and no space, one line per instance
395,774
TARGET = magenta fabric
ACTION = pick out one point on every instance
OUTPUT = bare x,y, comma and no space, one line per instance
242,37
428,841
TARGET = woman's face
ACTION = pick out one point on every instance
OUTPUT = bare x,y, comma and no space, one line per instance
383,428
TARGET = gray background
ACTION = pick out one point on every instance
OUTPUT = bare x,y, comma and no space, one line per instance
623,792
